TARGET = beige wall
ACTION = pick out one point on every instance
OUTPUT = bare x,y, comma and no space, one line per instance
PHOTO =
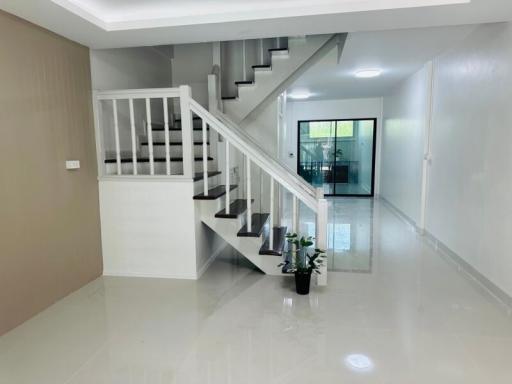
49,217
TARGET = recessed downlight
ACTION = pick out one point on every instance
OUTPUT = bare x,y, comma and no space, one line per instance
300,95
359,363
368,73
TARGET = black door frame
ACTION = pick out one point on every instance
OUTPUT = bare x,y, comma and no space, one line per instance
374,151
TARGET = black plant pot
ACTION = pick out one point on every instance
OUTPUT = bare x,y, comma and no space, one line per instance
302,282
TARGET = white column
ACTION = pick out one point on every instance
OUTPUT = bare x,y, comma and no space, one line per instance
150,138
116,136
166,135
187,131
134,140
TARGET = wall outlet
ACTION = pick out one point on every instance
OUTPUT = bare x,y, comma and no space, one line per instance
72,164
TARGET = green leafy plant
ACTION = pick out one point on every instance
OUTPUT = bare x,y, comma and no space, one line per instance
302,260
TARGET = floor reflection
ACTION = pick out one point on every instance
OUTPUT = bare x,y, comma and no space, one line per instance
350,233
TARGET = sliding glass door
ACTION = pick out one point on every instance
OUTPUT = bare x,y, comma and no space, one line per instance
338,155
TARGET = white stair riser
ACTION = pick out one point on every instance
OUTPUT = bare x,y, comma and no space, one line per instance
228,229
160,168
174,150
212,183
174,136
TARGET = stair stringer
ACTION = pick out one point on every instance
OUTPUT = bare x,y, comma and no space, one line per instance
227,229
302,54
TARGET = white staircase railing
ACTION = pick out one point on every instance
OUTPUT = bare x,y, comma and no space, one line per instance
233,137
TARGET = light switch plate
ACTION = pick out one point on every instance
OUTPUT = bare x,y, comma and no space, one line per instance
73,164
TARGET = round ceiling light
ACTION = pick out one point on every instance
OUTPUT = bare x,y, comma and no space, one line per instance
368,73
300,95
359,363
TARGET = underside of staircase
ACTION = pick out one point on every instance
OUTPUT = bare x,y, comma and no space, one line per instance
253,244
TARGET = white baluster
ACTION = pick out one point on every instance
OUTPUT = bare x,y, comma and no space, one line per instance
279,205
295,215
321,236
166,134
116,135
244,60
134,141
249,197
228,192
261,52
205,159
271,239
150,138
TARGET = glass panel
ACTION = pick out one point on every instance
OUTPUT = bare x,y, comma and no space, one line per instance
316,153
337,155
353,169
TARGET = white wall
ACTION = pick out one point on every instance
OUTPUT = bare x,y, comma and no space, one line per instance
129,68
147,228
470,189
150,228
403,137
329,109
191,65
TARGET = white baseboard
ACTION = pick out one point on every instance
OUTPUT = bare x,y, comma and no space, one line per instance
463,266
148,275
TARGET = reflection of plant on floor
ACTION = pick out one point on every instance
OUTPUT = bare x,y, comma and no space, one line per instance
302,262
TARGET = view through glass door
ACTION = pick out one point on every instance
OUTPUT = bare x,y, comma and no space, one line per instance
338,155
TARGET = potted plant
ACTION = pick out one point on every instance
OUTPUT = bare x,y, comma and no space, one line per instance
302,262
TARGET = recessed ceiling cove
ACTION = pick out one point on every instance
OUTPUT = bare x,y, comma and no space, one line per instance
118,15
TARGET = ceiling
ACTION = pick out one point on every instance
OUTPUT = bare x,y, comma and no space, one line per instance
398,53
114,15
125,23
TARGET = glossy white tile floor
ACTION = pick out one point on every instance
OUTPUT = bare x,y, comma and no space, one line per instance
411,319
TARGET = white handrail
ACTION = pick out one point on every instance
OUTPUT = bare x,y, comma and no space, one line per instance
148,93
296,185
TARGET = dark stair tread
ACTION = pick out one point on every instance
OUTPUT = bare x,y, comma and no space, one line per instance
261,66
257,226
214,193
193,118
244,82
279,234
236,208
174,129
229,97
199,175
162,143
156,159
278,49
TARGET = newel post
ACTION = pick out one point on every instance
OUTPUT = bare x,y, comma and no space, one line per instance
187,131
321,233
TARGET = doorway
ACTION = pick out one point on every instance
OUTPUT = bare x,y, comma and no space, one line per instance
338,155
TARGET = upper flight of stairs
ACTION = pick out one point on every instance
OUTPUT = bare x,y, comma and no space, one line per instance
286,65
159,153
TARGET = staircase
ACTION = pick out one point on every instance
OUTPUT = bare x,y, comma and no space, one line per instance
271,78
205,148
